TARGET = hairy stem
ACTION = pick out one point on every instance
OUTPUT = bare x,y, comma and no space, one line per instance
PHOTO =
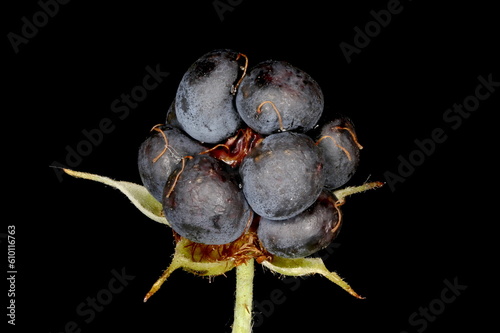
244,298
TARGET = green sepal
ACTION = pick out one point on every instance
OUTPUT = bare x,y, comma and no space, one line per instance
138,195
307,266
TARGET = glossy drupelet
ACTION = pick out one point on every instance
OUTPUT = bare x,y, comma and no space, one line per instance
204,101
204,203
283,175
305,233
340,147
160,154
293,101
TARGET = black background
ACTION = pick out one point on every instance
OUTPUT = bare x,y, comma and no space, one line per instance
396,247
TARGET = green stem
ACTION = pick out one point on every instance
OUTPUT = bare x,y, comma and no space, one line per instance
244,298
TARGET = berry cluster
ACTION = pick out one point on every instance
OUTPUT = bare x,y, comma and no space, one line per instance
238,155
